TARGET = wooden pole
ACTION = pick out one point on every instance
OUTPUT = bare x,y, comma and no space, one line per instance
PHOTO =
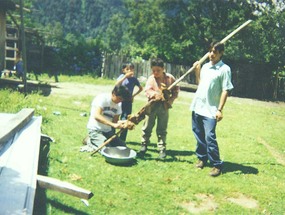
206,55
23,39
177,81
108,141
2,37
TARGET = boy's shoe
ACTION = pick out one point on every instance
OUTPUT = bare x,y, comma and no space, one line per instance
162,154
215,172
142,151
85,140
200,164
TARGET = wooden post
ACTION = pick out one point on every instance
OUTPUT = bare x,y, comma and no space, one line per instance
23,39
2,37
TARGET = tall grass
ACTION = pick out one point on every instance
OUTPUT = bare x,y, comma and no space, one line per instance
251,140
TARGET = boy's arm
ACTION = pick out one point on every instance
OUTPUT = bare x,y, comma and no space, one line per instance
138,91
127,75
197,67
174,93
100,118
151,89
223,99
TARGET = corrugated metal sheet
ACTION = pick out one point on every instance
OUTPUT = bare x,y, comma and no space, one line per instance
18,167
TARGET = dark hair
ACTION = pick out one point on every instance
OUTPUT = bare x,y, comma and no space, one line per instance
131,65
121,91
156,62
220,47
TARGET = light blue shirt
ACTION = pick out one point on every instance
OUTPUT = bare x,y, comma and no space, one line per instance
214,79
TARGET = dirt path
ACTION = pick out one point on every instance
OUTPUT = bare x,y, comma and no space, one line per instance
67,89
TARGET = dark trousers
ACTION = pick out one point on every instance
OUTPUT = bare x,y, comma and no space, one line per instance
126,110
204,129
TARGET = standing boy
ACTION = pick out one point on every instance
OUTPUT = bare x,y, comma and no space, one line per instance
214,84
159,108
104,118
128,79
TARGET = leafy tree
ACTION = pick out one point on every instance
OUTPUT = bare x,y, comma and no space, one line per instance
176,30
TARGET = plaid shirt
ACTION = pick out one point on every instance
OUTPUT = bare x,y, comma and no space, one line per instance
153,87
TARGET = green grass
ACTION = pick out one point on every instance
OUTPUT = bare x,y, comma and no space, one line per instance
252,170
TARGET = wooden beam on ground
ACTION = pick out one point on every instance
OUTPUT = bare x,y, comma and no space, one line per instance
15,124
64,187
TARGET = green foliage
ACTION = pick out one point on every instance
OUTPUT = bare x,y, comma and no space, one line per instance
177,31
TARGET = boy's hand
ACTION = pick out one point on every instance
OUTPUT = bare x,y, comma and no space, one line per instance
126,124
197,66
158,97
219,116
129,74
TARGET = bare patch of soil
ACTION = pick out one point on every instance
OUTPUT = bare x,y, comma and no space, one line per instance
204,203
244,201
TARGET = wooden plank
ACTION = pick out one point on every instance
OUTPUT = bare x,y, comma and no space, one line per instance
18,170
10,58
64,187
15,124
11,48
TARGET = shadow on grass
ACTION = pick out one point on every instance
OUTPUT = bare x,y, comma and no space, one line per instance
238,168
40,197
172,156
128,164
41,200
64,208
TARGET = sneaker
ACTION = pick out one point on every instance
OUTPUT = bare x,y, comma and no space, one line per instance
142,151
162,154
200,164
215,172
85,140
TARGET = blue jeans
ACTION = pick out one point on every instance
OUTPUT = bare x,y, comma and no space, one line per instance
204,129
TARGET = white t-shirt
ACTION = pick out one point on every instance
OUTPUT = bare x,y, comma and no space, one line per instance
110,109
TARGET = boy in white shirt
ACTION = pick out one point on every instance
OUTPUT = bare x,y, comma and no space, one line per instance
104,118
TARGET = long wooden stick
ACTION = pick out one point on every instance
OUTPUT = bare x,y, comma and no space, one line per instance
108,141
207,54
178,80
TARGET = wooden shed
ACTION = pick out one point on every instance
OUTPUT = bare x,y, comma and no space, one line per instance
11,39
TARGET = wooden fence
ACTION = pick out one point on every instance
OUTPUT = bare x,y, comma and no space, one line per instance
250,80
112,65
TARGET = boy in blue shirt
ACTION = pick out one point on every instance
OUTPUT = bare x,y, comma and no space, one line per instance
128,79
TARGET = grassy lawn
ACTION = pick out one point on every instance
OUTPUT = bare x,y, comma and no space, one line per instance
251,141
